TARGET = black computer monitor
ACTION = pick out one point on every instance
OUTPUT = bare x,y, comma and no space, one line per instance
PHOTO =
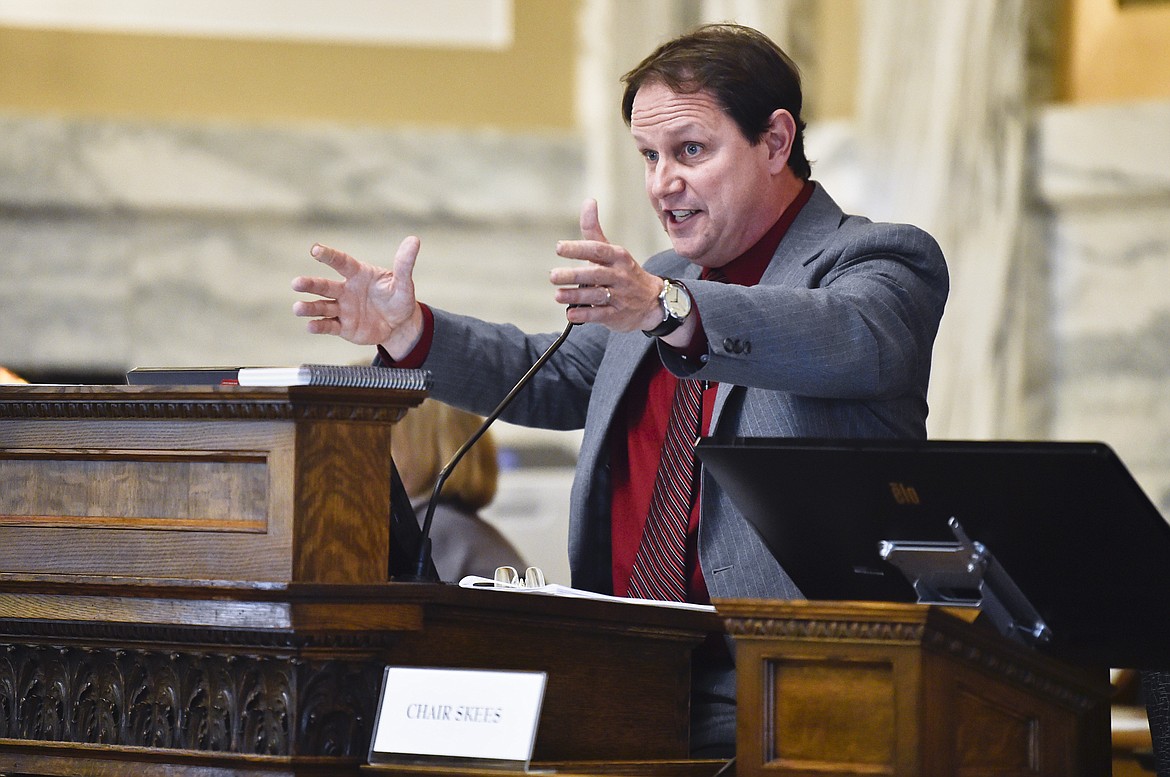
1065,521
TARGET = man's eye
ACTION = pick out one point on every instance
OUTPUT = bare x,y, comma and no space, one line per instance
651,156
692,149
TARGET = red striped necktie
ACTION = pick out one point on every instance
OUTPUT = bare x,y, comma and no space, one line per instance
660,567
660,570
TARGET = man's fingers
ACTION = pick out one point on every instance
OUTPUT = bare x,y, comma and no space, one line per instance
585,275
343,263
593,246
590,223
324,326
589,250
322,287
323,315
405,257
318,308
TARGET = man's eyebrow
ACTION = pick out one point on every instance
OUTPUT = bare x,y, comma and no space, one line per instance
682,130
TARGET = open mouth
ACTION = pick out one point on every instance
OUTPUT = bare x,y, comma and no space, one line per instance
679,216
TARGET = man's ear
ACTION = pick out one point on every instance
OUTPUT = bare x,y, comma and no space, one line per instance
779,137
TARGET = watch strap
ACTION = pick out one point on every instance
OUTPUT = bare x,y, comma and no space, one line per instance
666,327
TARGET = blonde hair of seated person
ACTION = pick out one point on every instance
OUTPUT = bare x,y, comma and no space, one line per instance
425,440
464,543
8,376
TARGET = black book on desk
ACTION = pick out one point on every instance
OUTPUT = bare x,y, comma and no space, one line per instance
182,376
1065,522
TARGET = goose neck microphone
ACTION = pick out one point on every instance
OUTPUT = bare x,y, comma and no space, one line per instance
424,571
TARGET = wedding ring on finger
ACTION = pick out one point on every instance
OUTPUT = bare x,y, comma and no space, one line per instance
608,296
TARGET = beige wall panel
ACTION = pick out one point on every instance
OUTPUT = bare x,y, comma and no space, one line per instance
528,85
1118,51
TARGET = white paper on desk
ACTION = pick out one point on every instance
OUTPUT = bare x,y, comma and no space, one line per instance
552,589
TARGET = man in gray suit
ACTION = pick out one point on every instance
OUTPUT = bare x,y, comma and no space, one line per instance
782,314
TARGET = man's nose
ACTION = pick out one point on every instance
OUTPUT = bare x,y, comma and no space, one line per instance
665,179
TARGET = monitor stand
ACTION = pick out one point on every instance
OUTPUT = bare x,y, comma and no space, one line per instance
963,573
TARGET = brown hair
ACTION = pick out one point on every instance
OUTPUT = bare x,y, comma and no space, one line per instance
749,75
425,440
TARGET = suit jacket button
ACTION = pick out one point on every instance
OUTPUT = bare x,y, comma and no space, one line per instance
747,346
729,345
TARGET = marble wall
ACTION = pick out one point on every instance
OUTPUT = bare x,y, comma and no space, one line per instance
1103,200
136,244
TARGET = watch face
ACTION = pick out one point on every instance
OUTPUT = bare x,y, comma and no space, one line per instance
676,300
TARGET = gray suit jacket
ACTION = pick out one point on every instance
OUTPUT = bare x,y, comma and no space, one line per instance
834,342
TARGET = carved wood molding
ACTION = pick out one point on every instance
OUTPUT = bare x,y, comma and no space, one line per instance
998,662
101,632
225,410
798,628
187,700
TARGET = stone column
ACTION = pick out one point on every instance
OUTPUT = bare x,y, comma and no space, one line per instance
942,122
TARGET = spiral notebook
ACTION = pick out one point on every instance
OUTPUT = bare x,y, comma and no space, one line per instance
366,376
355,376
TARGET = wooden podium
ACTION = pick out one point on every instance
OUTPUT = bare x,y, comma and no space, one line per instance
864,688
194,582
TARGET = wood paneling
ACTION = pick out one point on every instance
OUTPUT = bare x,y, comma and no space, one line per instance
217,653
206,483
199,491
868,688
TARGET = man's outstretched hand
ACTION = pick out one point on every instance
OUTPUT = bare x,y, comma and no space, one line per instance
610,287
370,305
